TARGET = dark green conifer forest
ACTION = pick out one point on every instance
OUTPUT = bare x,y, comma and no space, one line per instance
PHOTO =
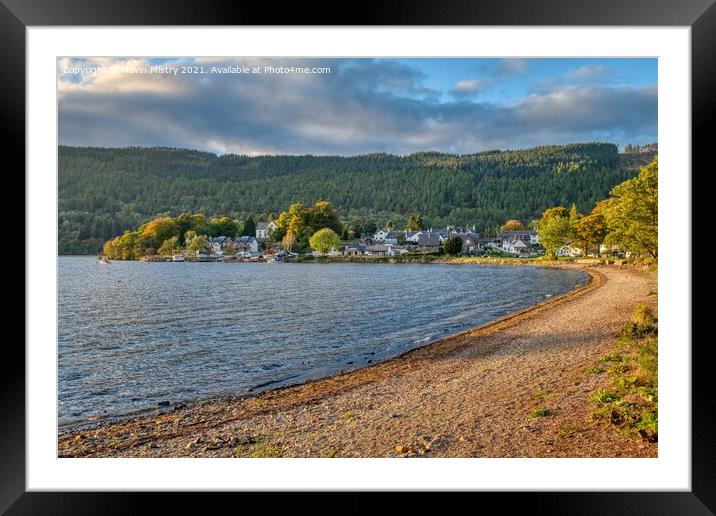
104,191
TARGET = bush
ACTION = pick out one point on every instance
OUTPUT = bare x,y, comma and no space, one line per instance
453,245
603,396
642,323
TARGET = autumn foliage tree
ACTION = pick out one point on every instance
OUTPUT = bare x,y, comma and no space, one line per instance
512,225
589,232
161,229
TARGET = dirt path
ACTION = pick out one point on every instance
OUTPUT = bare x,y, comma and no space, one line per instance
467,396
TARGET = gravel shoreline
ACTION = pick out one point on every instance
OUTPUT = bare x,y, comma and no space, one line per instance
469,395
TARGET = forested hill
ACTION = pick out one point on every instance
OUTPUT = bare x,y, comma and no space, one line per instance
103,191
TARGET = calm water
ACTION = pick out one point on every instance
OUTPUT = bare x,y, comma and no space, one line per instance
133,334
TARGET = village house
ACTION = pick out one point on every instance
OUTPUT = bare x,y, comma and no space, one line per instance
246,246
354,249
471,243
377,250
428,242
454,231
396,250
263,229
522,242
380,236
391,237
218,245
568,250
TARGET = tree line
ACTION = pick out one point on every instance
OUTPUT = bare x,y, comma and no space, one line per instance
103,191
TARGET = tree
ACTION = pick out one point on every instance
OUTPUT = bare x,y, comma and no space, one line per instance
590,231
197,244
223,226
415,223
632,213
324,215
512,225
357,227
453,245
324,240
288,241
169,246
370,229
161,229
553,228
186,222
401,239
249,227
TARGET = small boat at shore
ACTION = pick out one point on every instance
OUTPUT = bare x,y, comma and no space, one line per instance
103,260
178,258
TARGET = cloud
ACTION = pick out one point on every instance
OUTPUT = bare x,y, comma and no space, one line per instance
362,106
588,73
512,66
469,87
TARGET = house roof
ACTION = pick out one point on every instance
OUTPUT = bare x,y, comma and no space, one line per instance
261,225
474,237
516,234
429,239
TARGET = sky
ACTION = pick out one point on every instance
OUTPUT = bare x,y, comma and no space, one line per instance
323,106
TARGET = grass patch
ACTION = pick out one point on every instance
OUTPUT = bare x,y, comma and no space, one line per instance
350,416
642,324
619,367
539,393
603,396
568,430
540,412
266,451
261,448
596,370
631,402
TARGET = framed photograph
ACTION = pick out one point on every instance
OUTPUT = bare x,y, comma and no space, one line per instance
419,252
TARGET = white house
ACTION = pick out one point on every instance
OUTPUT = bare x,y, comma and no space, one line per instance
263,229
515,247
568,250
381,235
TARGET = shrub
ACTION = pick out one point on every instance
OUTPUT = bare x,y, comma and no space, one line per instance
642,323
539,412
603,396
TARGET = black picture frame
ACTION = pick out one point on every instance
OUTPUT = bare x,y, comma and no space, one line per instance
700,15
